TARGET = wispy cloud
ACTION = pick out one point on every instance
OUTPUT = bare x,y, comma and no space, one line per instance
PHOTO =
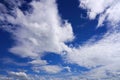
13,62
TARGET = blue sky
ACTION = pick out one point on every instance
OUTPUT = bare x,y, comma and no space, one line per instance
59,39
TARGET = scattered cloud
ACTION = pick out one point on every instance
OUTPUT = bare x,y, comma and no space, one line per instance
43,31
38,62
68,76
19,75
101,57
52,69
13,62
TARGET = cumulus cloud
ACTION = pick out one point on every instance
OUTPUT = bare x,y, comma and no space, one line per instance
51,69
46,77
106,10
101,57
103,52
38,62
39,32
68,76
19,75
43,31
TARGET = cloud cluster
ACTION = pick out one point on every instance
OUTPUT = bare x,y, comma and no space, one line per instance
101,57
68,76
39,32
44,31
103,52
19,75
51,69
106,10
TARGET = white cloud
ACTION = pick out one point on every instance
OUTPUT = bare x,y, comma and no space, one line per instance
109,72
52,69
67,68
103,56
43,31
13,62
99,53
39,32
38,62
94,75
49,69
107,10
19,75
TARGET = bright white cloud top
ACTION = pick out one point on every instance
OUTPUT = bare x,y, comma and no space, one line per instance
44,31
106,10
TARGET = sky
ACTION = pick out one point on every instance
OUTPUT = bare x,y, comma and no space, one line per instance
59,40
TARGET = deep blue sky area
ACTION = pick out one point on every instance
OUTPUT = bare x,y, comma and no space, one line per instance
83,29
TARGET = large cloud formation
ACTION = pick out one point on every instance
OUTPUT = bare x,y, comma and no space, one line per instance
103,56
39,32
44,31
35,33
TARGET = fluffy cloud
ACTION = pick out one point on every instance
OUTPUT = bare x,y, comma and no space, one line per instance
101,57
39,32
103,52
68,76
19,75
38,62
106,10
11,61
51,68
43,31
96,74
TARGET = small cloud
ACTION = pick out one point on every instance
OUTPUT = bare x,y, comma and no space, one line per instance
52,69
38,62
11,61
19,75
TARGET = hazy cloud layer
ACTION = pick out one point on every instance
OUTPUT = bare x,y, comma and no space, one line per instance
69,76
